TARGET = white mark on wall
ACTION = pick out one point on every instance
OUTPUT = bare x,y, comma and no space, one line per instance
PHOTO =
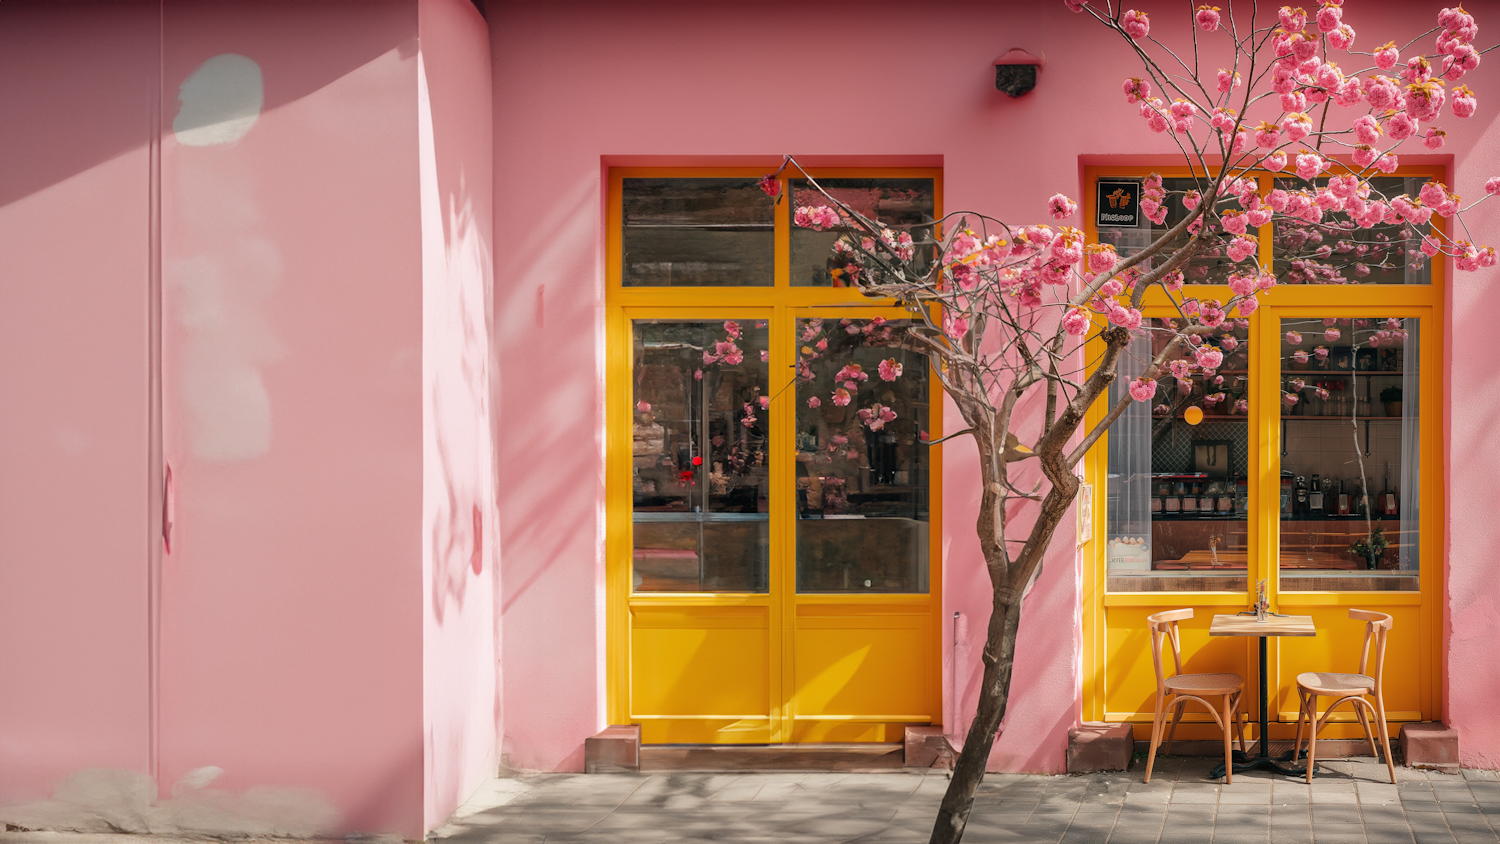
219,102
103,800
226,269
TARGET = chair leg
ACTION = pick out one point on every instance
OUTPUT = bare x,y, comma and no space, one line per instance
1385,741
1155,735
1312,737
1301,712
1239,720
1364,722
1176,715
1228,751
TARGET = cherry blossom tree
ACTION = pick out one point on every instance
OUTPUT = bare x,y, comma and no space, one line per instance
1009,312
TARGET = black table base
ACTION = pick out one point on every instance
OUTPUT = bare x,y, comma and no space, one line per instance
1262,761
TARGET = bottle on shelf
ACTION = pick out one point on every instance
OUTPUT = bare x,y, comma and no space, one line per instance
1315,497
1388,504
1299,497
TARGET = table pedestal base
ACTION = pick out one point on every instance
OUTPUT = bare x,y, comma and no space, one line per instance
1281,765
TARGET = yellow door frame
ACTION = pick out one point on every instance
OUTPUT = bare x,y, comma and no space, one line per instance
1290,301
785,610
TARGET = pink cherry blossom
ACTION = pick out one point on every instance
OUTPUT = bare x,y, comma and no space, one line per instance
1434,138
1289,398
643,406
1241,248
1401,126
1227,81
1464,102
1296,126
890,369
1137,90
841,397
1143,389
1367,130
1331,335
1061,207
1382,92
1276,161
1292,20
1207,18
1423,100
1299,356
1387,56
1267,135
1076,323
770,185
1310,164
1387,163
814,402
1136,24
1209,358
1329,18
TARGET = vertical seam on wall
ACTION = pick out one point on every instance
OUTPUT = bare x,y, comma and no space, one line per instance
154,450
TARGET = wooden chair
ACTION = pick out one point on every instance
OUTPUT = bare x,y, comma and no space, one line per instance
1190,687
1355,688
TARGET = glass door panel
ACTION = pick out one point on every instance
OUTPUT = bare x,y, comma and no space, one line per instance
1177,492
862,457
1350,499
699,451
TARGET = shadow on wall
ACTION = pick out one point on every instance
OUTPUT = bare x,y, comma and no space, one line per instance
72,105
460,398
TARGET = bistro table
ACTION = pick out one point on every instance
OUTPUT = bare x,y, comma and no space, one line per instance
1274,625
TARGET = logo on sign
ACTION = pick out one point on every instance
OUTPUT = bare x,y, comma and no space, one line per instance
1118,205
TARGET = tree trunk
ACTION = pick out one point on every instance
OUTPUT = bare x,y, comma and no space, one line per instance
968,770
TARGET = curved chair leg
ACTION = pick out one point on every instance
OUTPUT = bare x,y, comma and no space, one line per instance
1301,713
1228,751
1155,736
1312,738
1239,719
1176,715
1364,722
1385,741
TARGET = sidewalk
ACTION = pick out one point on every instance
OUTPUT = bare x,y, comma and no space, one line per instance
1352,803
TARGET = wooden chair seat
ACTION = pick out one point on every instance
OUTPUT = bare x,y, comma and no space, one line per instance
1333,684
1205,684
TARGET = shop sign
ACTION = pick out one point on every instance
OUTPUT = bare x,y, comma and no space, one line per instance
1118,204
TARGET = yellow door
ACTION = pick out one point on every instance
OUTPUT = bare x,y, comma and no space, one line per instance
771,523
1302,412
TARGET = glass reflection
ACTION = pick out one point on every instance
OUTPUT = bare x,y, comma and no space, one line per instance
699,451
1177,493
1349,461
1331,247
901,204
862,460
697,232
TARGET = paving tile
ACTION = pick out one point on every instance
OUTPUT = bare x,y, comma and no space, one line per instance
1382,814
1199,797
1388,833
1436,838
1240,838
1301,835
1335,814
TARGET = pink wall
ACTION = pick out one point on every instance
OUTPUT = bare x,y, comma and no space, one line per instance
74,370
672,84
460,578
293,369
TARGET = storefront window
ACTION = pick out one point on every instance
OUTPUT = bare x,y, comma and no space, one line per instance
1178,497
862,409
1349,459
699,450
1334,250
697,233
905,205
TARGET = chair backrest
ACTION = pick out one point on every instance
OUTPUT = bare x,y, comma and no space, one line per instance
1164,626
1377,625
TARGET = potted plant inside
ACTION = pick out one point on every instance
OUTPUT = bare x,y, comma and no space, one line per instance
1391,398
1371,549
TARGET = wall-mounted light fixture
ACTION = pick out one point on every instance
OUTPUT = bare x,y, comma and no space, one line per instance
1016,72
